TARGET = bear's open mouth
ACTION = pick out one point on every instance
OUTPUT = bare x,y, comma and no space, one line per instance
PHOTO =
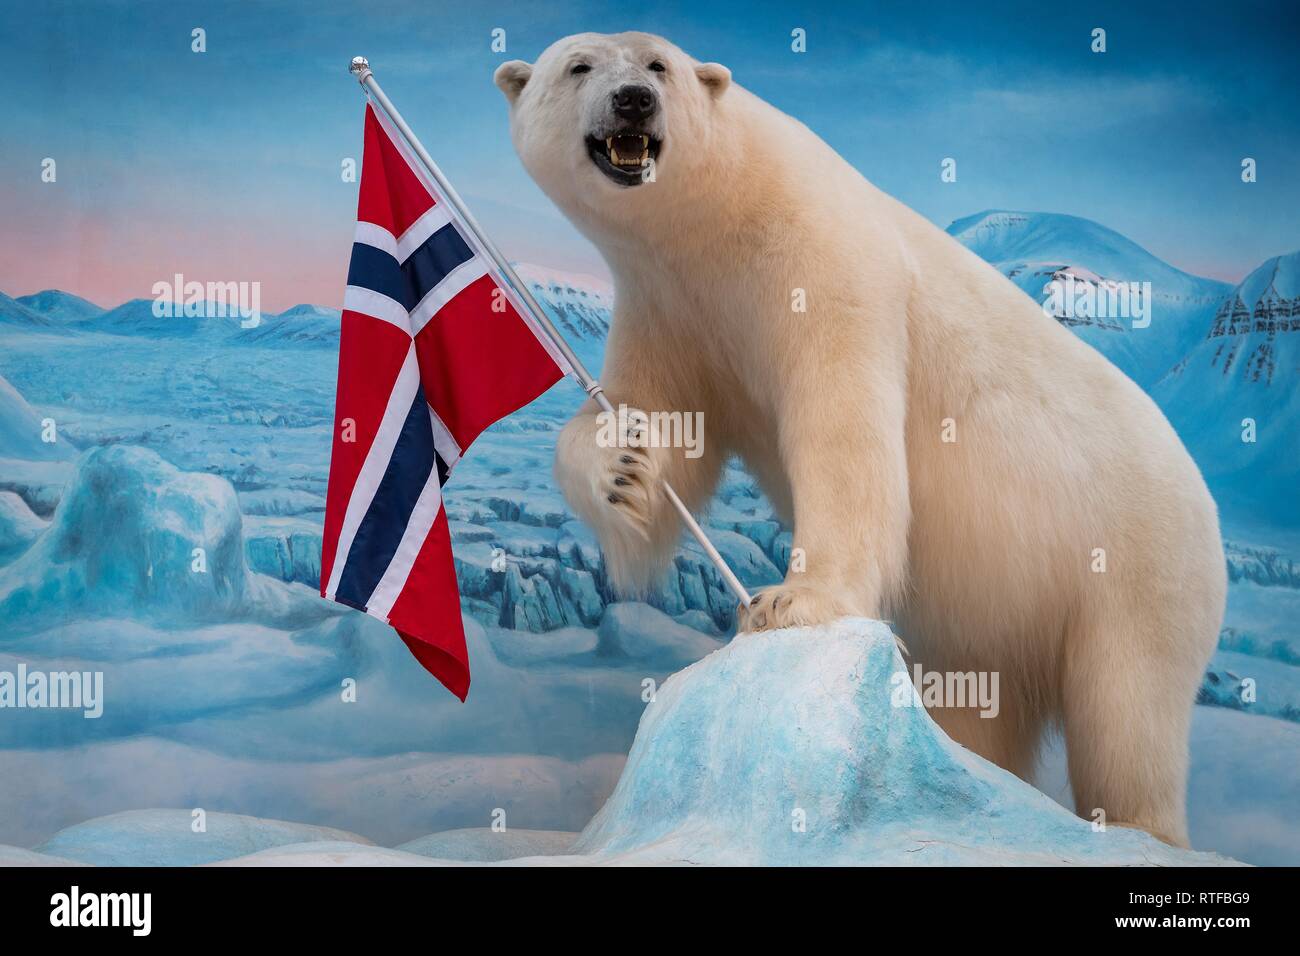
625,157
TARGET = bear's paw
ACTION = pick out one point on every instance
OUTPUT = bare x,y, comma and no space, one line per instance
791,605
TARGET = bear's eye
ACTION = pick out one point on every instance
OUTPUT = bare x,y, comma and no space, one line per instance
580,68
658,67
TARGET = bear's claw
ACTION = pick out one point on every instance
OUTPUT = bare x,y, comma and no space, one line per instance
629,483
789,605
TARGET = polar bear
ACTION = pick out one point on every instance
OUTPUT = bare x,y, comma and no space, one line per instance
949,457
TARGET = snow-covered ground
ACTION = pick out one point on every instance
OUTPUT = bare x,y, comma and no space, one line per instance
229,688
761,753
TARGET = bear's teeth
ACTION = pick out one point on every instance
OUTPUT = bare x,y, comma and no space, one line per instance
618,160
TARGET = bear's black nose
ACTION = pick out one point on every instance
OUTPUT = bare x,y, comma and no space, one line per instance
633,102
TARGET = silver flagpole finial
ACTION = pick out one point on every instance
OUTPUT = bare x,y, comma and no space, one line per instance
360,68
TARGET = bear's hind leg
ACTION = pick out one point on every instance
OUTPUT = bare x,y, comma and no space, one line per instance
1127,697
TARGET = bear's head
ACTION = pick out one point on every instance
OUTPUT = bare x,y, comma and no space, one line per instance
601,115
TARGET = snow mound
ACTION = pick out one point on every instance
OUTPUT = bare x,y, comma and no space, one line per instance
125,535
786,748
525,648
134,534
643,633
485,845
20,430
167,838
450,848
17,856
325,853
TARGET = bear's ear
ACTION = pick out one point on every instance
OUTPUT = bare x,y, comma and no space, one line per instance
715,77
511,77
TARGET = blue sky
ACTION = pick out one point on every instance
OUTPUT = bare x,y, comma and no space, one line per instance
226,163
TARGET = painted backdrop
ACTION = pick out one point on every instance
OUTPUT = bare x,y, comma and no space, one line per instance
162,475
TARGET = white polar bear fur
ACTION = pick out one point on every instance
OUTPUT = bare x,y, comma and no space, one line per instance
981,551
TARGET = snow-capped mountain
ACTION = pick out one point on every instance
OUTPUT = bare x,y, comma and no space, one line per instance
14,312
1251,336
61,306
1245,369
1037,250
302,325
137,317
579,305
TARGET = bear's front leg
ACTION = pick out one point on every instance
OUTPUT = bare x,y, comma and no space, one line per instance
844,456
611,475
608,473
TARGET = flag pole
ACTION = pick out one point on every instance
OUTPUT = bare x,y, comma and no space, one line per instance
360,68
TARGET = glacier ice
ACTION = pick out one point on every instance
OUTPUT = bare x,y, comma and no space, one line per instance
287,548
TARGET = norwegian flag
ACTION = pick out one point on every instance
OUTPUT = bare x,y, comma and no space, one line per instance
434,348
